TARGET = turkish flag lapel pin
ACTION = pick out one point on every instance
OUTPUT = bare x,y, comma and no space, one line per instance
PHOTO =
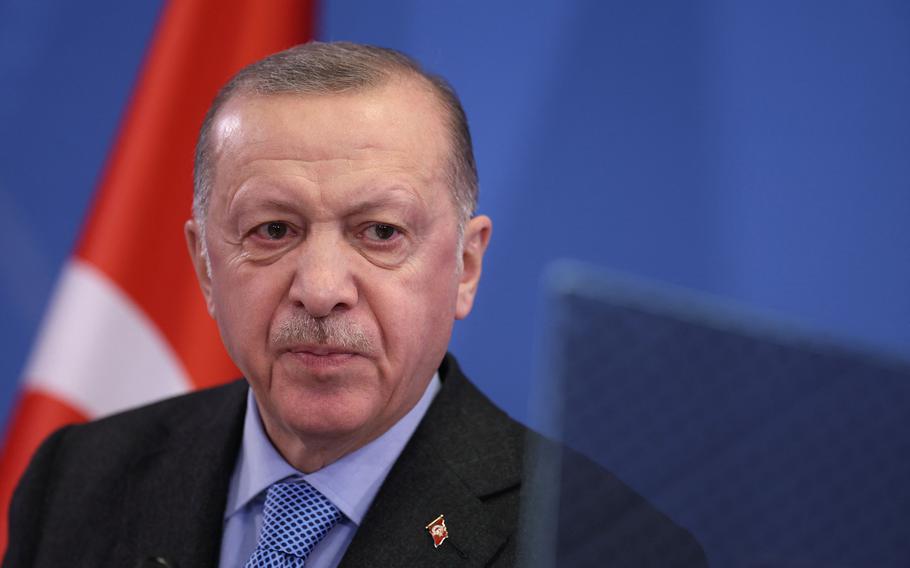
438,531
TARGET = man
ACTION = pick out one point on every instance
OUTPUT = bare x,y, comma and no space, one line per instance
335,242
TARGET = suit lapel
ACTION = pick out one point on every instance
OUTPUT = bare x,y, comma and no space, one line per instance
463,462
180,486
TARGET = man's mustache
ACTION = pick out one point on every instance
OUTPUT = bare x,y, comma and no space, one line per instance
336,332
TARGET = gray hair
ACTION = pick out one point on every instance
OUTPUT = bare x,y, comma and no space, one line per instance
330,68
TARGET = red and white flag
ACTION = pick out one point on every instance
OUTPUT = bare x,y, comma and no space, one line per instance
127,324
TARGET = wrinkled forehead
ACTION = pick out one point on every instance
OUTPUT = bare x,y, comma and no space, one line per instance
400,116
379,138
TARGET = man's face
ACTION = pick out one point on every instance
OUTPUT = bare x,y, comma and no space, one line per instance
335,271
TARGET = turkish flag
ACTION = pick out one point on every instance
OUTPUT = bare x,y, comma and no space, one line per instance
127,324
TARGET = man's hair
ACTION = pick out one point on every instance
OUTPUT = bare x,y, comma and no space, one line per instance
331,68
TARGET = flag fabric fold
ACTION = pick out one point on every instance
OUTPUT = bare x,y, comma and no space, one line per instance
127,324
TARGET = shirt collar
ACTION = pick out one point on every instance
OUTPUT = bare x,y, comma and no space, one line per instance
350,483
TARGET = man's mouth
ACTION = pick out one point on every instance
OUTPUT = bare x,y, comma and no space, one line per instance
321,350
322,357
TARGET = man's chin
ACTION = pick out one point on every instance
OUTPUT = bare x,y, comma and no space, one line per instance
317,421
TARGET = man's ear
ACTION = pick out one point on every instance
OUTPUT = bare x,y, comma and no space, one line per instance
477,233
197,255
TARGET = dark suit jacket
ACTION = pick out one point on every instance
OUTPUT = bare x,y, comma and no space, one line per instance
152,483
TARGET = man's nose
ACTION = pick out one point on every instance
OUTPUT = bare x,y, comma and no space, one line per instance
323,280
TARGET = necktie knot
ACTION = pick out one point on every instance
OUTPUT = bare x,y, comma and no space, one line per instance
294,519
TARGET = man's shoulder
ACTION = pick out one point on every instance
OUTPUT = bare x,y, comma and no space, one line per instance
195,405
115,441
186,411
592,513
578,513
116,485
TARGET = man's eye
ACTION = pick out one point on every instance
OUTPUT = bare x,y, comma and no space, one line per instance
381,232
273,231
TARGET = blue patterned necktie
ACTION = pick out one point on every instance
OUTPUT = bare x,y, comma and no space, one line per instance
295,518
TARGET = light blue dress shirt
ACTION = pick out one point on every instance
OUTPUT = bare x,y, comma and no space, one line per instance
350,484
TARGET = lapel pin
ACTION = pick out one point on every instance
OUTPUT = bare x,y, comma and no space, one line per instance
439,532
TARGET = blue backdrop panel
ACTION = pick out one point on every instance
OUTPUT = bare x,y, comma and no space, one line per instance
773,446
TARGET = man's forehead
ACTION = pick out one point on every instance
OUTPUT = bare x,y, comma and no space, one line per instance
395,119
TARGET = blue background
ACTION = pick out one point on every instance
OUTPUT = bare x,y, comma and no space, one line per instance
755,150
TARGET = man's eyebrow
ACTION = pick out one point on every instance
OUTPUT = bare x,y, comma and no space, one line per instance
398,197
269,203
272,202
